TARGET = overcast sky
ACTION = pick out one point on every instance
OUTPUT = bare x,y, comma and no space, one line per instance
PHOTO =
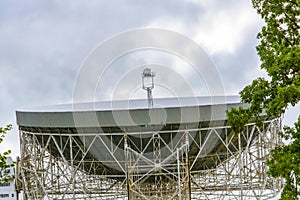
44,43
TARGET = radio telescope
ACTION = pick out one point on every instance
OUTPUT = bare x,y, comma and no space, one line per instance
133,149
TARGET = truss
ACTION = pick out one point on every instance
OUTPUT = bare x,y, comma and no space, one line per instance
162,177
60,165
244,174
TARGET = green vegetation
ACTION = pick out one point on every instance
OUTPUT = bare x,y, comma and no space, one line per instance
279,52
3,157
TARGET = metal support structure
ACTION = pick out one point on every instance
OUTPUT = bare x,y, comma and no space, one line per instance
159,176
244,174
59,165
50,170
157,164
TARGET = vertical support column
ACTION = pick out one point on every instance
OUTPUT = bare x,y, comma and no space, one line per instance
22,165
178,174
73,178
259,154
240,166
187,182
127,157
157,165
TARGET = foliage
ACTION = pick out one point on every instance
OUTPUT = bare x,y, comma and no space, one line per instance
279,52
3,157
285,162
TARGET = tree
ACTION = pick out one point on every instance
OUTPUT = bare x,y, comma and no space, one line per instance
285,162
4,177
279,52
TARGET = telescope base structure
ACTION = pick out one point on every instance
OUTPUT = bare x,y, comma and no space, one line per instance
58,166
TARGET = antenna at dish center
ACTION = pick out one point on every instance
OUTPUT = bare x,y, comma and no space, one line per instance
148,84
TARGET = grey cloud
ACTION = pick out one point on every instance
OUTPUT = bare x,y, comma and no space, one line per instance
43,43
234,68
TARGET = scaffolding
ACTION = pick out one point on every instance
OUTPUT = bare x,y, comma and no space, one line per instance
59,164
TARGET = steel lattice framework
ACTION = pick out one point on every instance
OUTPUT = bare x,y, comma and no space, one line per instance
59,165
